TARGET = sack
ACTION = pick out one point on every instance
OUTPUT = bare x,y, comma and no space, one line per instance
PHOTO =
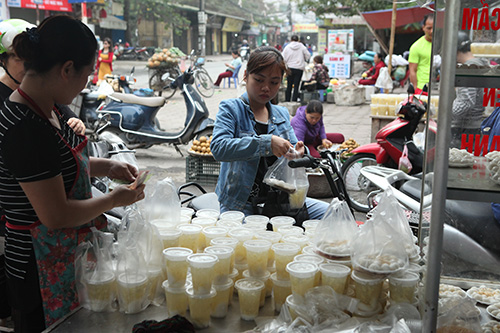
491,127
404,162
384,80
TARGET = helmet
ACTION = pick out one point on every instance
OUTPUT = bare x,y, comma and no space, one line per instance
9,29
463,42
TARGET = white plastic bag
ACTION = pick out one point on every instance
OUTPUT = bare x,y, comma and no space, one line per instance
162,202
384,80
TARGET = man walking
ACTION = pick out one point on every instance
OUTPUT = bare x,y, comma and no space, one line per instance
420,55
295,55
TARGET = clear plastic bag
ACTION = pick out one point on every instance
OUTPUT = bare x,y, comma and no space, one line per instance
293,181
458,315
162,202
384,80
404,162
335,231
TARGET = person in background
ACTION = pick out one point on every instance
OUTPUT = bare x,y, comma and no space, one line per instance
250,134
309,128
467,112
296,56
39,154
420,55
104,64
230,67
373,73
320,78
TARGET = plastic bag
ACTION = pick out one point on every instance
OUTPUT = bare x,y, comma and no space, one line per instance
404,162
162,202
335,231
458,315
95,279
384,80
294,181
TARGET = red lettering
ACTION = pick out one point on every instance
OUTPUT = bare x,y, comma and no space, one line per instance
495,143
495,25
480,146
467,144
469,18
484,21
489,97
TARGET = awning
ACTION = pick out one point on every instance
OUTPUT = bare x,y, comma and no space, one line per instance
113,22
54,5
381,19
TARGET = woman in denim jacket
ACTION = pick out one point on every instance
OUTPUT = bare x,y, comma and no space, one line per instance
250,134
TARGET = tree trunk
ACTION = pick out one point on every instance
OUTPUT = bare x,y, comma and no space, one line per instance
126,17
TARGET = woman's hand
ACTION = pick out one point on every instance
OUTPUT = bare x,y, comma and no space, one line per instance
300,148
123,195
100,59
326,143
77,126
279,146
123,171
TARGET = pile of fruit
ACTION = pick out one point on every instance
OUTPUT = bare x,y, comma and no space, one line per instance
166,58
350,144
202,146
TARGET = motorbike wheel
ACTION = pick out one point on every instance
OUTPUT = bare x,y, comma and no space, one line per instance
157,84
358,187
203,83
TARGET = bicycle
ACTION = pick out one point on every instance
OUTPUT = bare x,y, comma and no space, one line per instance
160,79
202,80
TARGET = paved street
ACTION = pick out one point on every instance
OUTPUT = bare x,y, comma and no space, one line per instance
163,160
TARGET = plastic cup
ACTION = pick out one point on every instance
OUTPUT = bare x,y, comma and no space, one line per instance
208,213
257,253
301,240
101,291
402,287
309,249
298,197
233,277
345,262
240,268
257,220
155,276
249,294
310,224
290,230
281,221
163,224
226,241
175,258
132,292
186,211
176,299
312,258
242,235
229,224
292,303
204,221
222,299
202,271
302,276
213,232
222,267
273,237
335,276
200,307
368,288
267,291
281,290
232,215
284,254
255,227
170,237
190,235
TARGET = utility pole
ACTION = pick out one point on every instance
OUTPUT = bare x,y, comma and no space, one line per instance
289,9
202,28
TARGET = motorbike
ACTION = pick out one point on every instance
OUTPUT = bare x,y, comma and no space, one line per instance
390,143
245,52
133,118
470,233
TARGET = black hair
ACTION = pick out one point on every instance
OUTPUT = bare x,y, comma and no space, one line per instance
263,57
427,17
57,39
235,51
380,56
463,42
318,59
110,42
295,38
314,106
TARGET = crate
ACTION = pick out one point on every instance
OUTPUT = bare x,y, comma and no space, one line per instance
307,96
202,170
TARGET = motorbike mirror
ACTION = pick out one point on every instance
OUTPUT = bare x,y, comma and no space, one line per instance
192,52
425,88
133,70
165,76
411,89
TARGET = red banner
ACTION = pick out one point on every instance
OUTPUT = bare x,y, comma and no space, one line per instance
55,5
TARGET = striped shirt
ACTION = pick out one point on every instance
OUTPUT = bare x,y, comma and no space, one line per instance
30,150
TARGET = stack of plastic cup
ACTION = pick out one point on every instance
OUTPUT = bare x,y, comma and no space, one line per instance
335,276
101,291
309,249
402,286
156,277
273,237
249,295
200,307
302,276
177,266
190,236
281,221
284,253
211,233
202,267
312,258
299,239
310,225
170,237
257,254
229,224
222,267
281,290
226,241
368,288
176,299
208,213
242,235
268,286
232,215
188,212
133,292
222,299
290,230
256,222
204,221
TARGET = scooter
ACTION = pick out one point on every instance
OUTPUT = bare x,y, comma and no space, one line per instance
470,233
134,120
391,141
245,52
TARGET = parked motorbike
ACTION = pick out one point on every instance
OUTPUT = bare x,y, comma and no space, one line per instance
133,118
388,149
471,232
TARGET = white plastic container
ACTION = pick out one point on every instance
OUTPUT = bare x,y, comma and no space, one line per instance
232,215
190,235
222,267
302,276
312,258
281,290
226,241
249,294
208,213
176,299
335,276
272,236
170,237
299,239
213,232
200,307
133,292
257,254
310,224
290,230
177,266
402,287
281,221
284,254
202,266
101,291
368,288
242,235
259,219
221,300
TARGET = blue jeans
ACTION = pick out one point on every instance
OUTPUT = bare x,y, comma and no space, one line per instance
315,208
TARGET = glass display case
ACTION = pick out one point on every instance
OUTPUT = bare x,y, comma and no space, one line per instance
463,236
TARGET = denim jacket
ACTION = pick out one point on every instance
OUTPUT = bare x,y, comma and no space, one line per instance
239,148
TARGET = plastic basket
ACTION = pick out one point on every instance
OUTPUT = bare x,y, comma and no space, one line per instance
202,170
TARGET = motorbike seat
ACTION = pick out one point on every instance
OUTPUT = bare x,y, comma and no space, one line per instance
146,101
413,188
205,201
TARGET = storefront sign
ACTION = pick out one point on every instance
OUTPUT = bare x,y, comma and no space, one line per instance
232,25
341,40
305,27
4,11
322,40
479,18
339,65
55,5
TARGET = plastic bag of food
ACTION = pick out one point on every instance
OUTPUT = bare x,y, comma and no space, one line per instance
391,212
458,315
291,180
95,279
404,161
378,248
336,231
161,202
